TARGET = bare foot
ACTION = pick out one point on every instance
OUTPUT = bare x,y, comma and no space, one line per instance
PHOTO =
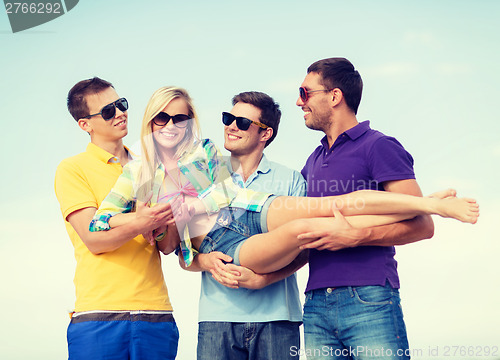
443,194
463,209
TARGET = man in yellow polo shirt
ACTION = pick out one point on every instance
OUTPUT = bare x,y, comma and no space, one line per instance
122,308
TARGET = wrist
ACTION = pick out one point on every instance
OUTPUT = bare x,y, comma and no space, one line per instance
362,236
138,222
161,236
203,265
135,227
262,280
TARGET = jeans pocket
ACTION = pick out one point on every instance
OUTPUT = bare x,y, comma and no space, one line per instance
209,244
308,297
237,221
372,295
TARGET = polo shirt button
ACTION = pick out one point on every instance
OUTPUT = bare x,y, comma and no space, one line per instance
329,290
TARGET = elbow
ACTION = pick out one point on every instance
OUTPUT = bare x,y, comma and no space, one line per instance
428,228
95,250
430,233
94,247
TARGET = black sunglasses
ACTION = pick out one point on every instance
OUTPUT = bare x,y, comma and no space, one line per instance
304,94
241,122
179,120
109,111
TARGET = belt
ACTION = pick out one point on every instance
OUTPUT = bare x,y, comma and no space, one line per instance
148,316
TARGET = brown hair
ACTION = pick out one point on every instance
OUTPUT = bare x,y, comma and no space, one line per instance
77,103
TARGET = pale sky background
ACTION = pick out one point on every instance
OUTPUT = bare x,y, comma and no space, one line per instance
431,75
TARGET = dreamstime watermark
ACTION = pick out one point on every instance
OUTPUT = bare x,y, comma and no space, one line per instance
27,14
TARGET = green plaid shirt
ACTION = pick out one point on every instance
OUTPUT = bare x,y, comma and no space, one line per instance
207,171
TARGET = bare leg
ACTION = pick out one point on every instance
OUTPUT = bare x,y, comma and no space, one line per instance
365,221
366,202
268,252
274,250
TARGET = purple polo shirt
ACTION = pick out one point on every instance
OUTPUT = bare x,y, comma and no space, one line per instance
360,158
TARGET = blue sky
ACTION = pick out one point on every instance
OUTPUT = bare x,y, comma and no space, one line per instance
431,78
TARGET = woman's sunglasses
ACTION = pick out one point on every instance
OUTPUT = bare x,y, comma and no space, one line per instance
179,120
241,122
304,94
109,111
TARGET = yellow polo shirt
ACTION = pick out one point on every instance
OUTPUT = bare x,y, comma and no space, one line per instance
129,278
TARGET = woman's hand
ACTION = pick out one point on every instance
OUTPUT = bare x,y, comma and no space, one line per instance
150,218
153,219
182,215
156,235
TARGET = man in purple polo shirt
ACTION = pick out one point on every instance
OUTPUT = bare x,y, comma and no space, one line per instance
352,307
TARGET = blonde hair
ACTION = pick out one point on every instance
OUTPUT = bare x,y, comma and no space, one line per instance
150,159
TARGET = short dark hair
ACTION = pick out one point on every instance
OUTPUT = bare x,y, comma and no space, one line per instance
270,113
340,73
77,103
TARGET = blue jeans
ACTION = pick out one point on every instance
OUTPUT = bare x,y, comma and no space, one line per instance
275,340
359,323
232,228
122,336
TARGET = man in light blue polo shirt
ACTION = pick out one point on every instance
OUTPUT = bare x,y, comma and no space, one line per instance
259,317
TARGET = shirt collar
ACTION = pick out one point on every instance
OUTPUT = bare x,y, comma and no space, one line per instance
264,165
263,168
353,133
105,156
358,130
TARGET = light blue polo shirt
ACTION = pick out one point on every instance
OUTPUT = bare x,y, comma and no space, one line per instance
276,302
